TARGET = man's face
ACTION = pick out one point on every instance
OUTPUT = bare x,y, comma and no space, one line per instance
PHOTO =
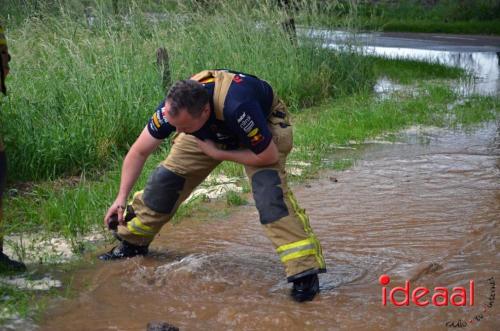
184,122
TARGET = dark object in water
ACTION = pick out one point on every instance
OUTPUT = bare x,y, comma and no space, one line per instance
113,222
161,326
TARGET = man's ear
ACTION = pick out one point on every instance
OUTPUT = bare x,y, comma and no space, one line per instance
206,109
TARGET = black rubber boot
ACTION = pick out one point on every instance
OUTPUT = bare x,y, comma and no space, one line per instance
305,288
124,250
8,265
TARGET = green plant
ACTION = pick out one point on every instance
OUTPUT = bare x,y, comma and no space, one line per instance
235,199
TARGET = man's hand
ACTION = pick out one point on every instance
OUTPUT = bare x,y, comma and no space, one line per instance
243,156
118,209
208,147
131,169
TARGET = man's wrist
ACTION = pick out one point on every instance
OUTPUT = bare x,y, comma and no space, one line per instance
219,155
122,199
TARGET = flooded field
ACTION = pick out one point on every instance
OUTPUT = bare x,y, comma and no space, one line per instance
479,55
425,209
422,208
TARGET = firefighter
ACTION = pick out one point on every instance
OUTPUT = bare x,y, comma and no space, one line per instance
218,115
6,264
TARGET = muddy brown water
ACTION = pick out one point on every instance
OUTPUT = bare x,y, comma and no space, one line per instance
424,209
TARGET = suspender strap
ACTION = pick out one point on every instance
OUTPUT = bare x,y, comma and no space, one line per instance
223,81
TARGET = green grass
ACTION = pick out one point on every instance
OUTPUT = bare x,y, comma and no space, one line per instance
473,110
28,304
81,94
406,71
188,209
235,199
357,118
15,302
20,304
72,210
442,10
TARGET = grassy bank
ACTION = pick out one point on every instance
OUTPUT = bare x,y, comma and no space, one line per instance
86,87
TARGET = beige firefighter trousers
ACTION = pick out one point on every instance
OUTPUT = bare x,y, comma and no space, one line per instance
284,222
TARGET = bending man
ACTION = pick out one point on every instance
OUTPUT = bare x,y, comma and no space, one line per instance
219,115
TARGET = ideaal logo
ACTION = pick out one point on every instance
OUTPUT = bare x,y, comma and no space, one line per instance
439,297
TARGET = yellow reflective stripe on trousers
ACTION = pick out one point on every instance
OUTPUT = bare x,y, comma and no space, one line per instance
293,245
136,227
298,254
307,228
299,212
296,249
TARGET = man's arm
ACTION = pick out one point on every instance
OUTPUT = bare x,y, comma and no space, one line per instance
267,157
250,125
131,169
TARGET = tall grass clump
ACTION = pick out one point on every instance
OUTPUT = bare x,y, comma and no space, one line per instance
83,86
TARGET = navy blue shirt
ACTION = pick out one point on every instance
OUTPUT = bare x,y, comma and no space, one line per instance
246,108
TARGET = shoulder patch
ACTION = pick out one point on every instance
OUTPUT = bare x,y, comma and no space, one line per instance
156,121
253,133
256,139
237,79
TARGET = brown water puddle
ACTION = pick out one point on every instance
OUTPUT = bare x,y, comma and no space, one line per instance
425,209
